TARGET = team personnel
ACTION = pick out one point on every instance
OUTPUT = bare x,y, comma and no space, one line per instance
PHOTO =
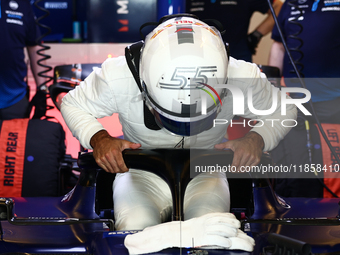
18,31
309,28
235,16
315,49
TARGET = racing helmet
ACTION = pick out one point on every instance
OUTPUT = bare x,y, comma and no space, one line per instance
181,62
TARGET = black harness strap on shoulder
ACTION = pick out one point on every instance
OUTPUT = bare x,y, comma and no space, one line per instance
132,55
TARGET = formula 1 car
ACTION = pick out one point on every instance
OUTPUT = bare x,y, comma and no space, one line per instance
73,223
82,222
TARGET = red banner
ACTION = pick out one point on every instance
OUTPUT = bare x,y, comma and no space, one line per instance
332,175
12,156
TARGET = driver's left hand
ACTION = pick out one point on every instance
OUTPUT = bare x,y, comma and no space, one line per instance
247,150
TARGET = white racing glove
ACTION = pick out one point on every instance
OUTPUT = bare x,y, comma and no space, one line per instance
210,231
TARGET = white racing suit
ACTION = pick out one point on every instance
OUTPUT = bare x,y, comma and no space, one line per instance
142,199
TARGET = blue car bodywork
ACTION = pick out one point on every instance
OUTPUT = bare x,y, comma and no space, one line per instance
71,224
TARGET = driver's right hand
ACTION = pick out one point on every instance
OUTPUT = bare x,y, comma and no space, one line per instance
107,151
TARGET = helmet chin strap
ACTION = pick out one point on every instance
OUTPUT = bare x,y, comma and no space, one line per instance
186,142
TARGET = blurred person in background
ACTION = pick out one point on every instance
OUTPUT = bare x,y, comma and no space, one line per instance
310,29
235,17
18,32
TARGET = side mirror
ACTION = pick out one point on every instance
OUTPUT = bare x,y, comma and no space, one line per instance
6,208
